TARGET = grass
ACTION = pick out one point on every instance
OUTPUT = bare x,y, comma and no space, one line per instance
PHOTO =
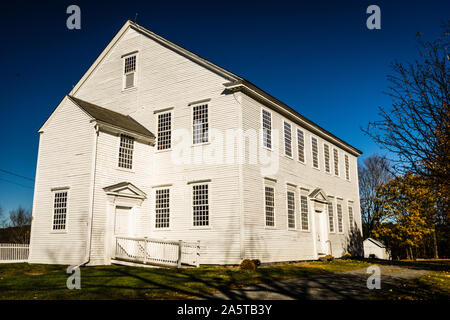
24,281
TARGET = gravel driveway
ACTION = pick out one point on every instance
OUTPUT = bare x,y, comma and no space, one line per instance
336,286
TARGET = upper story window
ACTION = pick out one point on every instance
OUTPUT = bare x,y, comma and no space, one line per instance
301,145
326,155
162,208
336,161
304,212
126,152
350,218
200,205
339,218
270,207
291,209
315,152
129,72
60,211
200,124
267,128
347,167
164,130
287,139
330,217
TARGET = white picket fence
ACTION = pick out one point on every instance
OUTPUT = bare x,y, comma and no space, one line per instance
157,252
12,252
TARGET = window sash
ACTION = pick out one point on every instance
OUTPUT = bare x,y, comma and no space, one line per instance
200,205
339,215
60,211
350,218
315,152
200,124
164,131
287,139
129,71
330,217
347,168
301,145
291,209
304,212
270,206
126,152
162,208
267,128
336,162
326,155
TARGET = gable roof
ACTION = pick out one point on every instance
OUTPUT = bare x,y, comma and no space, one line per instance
236,82
111,117
376,242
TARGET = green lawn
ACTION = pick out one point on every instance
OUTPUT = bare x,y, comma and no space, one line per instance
24,281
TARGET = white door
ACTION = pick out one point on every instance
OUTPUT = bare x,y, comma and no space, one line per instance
123,221
321,233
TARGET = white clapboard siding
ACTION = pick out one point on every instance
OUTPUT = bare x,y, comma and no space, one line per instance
13,252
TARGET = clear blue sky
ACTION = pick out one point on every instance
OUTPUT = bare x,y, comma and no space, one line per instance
316,56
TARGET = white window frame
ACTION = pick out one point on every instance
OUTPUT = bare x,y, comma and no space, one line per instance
331,202
208,105
135,78
312,153
307,213
342,224
157,130
329,158
155,209
118,153
289,190
351,222
334,162
262,129
303,149
208,226
347,167
66,226
284,140
266,185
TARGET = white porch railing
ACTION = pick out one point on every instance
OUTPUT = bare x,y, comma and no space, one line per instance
12,252
157,251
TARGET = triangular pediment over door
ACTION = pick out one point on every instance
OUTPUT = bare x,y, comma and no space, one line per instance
125,189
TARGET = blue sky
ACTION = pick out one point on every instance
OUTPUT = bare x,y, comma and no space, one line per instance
316,56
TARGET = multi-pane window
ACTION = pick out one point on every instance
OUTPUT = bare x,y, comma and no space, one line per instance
164,131
270,207
339,217
287,139
126,152
330,216
350,218
60,210
347,168
129,71
267,128
315,152
301,145
162,208
200,205
336,161
326,155
304,212
200,124
291,209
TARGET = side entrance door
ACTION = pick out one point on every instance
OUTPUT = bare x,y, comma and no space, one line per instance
122,225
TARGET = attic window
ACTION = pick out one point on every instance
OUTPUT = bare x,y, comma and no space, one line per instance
129,72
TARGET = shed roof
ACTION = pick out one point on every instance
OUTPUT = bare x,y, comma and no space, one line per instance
112,117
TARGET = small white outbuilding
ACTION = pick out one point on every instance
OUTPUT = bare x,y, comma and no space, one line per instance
375,249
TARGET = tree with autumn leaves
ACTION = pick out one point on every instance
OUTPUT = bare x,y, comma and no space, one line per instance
405,216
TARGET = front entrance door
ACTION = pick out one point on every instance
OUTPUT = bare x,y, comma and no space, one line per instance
321,232
122,221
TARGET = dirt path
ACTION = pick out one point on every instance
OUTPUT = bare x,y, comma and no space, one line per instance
337,286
